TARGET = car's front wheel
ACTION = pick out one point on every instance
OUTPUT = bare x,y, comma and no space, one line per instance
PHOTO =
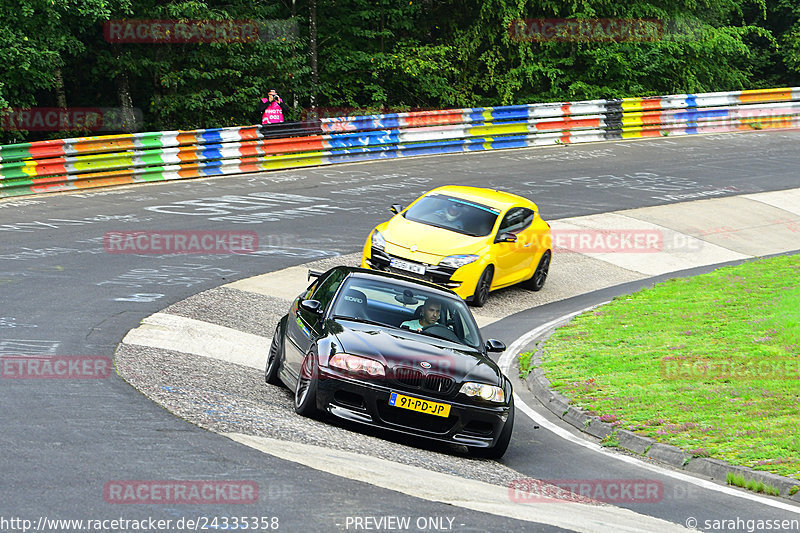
540,275
482,288
499,449
305,395
274,358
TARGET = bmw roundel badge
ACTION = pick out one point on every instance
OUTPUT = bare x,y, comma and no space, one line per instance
425,364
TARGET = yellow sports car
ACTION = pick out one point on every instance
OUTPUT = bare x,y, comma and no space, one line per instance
469,239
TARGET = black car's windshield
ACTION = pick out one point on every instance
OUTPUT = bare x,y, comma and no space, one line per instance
454,214
413,309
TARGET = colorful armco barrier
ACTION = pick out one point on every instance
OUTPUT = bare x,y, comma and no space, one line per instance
70,164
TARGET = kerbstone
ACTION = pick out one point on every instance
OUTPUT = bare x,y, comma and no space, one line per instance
668,454
633,442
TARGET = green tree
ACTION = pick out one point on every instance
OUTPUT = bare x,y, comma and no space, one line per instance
377,53
43,40
704,48
374,54
190,85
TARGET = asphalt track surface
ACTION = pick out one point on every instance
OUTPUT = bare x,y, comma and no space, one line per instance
62,294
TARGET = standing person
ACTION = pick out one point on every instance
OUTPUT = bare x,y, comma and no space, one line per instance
272,109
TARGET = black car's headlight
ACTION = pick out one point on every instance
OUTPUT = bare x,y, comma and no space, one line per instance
377,240
490,393
358,365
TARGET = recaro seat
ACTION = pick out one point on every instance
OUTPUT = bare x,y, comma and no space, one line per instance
354,304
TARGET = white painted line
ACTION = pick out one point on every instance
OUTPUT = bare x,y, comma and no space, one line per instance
505,364
679,251
187,335
787,200
453,490
286,283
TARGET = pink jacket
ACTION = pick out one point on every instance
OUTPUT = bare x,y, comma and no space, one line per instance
273,113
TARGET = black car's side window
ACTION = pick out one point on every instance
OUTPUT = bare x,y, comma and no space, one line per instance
325,291
321,290
310,290
516,220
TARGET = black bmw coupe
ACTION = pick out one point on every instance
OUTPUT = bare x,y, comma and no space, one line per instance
396,353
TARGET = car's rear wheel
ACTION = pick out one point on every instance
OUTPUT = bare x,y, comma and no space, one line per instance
540,275
499,449
305,395
274,358
482,288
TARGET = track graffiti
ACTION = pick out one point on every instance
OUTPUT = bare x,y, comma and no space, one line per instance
28,347
185,275
57,223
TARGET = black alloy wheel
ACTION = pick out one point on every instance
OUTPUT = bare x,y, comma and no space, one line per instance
273,359
540,275
305,396
482,289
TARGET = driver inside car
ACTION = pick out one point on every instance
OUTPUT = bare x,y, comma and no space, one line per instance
430,316
452,215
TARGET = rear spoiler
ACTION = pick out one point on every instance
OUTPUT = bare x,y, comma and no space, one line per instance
314,273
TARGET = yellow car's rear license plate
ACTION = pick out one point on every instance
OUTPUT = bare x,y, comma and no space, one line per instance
421,406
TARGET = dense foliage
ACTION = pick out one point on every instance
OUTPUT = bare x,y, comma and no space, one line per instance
382,54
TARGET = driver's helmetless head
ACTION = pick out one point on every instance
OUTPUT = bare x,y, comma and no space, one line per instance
431,312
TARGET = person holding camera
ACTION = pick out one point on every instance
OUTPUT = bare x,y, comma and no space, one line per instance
272,109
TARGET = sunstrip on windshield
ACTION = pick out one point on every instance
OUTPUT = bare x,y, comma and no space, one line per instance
466,202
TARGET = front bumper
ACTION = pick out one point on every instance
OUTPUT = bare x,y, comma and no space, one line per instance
458,280
368,403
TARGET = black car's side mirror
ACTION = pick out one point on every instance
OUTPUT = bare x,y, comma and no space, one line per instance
494,345
396,208
312,306
506,237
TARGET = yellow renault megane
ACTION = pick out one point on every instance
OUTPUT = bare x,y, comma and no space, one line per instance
469,239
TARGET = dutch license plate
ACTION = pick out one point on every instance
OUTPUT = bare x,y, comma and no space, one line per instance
405,265
421,406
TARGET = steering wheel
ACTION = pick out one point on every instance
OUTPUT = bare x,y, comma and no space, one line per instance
441,331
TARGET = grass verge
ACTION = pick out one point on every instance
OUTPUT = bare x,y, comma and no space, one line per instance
710,364
750,484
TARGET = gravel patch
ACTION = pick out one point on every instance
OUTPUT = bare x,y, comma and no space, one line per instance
224,397
570,275
240,310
